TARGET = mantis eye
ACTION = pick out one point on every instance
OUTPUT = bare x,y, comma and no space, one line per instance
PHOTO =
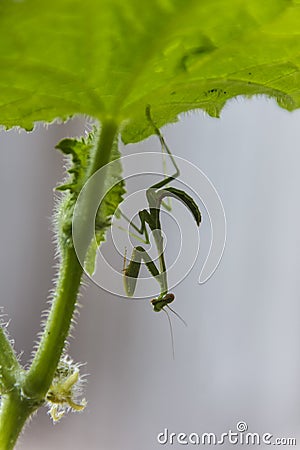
169,298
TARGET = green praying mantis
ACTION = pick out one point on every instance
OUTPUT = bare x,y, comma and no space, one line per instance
150,218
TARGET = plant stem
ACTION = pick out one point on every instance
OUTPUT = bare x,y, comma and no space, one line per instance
14,412
40,375
58,324
15,407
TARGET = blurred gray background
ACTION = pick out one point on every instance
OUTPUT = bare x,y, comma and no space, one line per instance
239,357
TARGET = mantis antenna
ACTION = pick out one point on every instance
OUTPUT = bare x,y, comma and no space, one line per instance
171,332
178,315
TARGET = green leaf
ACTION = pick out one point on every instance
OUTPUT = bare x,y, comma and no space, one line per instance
79,152
112,57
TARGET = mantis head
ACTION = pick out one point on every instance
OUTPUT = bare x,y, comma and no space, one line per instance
160,303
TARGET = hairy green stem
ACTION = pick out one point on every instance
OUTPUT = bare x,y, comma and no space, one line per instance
44,364
20,403
15,410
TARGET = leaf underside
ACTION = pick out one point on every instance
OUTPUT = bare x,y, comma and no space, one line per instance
112,58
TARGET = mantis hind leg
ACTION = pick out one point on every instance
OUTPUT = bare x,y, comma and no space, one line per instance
166,149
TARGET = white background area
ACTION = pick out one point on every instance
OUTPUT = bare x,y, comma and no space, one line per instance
239,357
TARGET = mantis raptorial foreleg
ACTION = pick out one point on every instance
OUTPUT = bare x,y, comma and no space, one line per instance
131,272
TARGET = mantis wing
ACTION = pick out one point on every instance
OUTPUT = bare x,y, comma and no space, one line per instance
185,199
